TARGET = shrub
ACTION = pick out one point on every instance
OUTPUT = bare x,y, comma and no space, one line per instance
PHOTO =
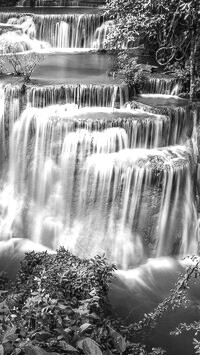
19,54
58,305
135,74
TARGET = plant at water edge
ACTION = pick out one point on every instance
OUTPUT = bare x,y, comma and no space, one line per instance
169,30
134,73
179,299
58,305
21,64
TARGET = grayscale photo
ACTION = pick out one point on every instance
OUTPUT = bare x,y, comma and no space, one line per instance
99,177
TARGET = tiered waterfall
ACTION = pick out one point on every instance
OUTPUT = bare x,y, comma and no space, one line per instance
82,169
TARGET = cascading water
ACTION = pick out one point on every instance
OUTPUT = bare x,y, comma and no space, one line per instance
2,120
89,174
76,171
68,31
144,129
82,95
101,34
63,31
166,86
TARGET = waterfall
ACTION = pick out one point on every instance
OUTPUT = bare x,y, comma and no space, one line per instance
62,31
139,195
2,121
166,86
100,191
82,95
114,179
80,29
130,198
101,33
143,129
10,111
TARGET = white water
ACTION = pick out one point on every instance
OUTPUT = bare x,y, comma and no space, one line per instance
101,190
63,31
82,95
95,194
81,174
164,86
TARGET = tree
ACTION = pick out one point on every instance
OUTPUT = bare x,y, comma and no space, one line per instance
19,54
168,29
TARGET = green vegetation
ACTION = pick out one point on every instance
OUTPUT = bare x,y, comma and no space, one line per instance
169,31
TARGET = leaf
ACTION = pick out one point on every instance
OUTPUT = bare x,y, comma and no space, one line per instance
93,316
3,306
9,333
62,306
42,336
82,310
118,340
93,292
85,327
90,347
67,347
64,333
10,338
1,350
23,332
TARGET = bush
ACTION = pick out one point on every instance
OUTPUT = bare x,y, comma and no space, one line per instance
135,74
58,305
19,54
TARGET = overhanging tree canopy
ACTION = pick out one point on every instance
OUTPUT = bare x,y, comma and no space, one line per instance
168,29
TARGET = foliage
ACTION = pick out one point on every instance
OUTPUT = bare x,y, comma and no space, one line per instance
178,299
158,24
58,305
169,30
135,74
19,54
